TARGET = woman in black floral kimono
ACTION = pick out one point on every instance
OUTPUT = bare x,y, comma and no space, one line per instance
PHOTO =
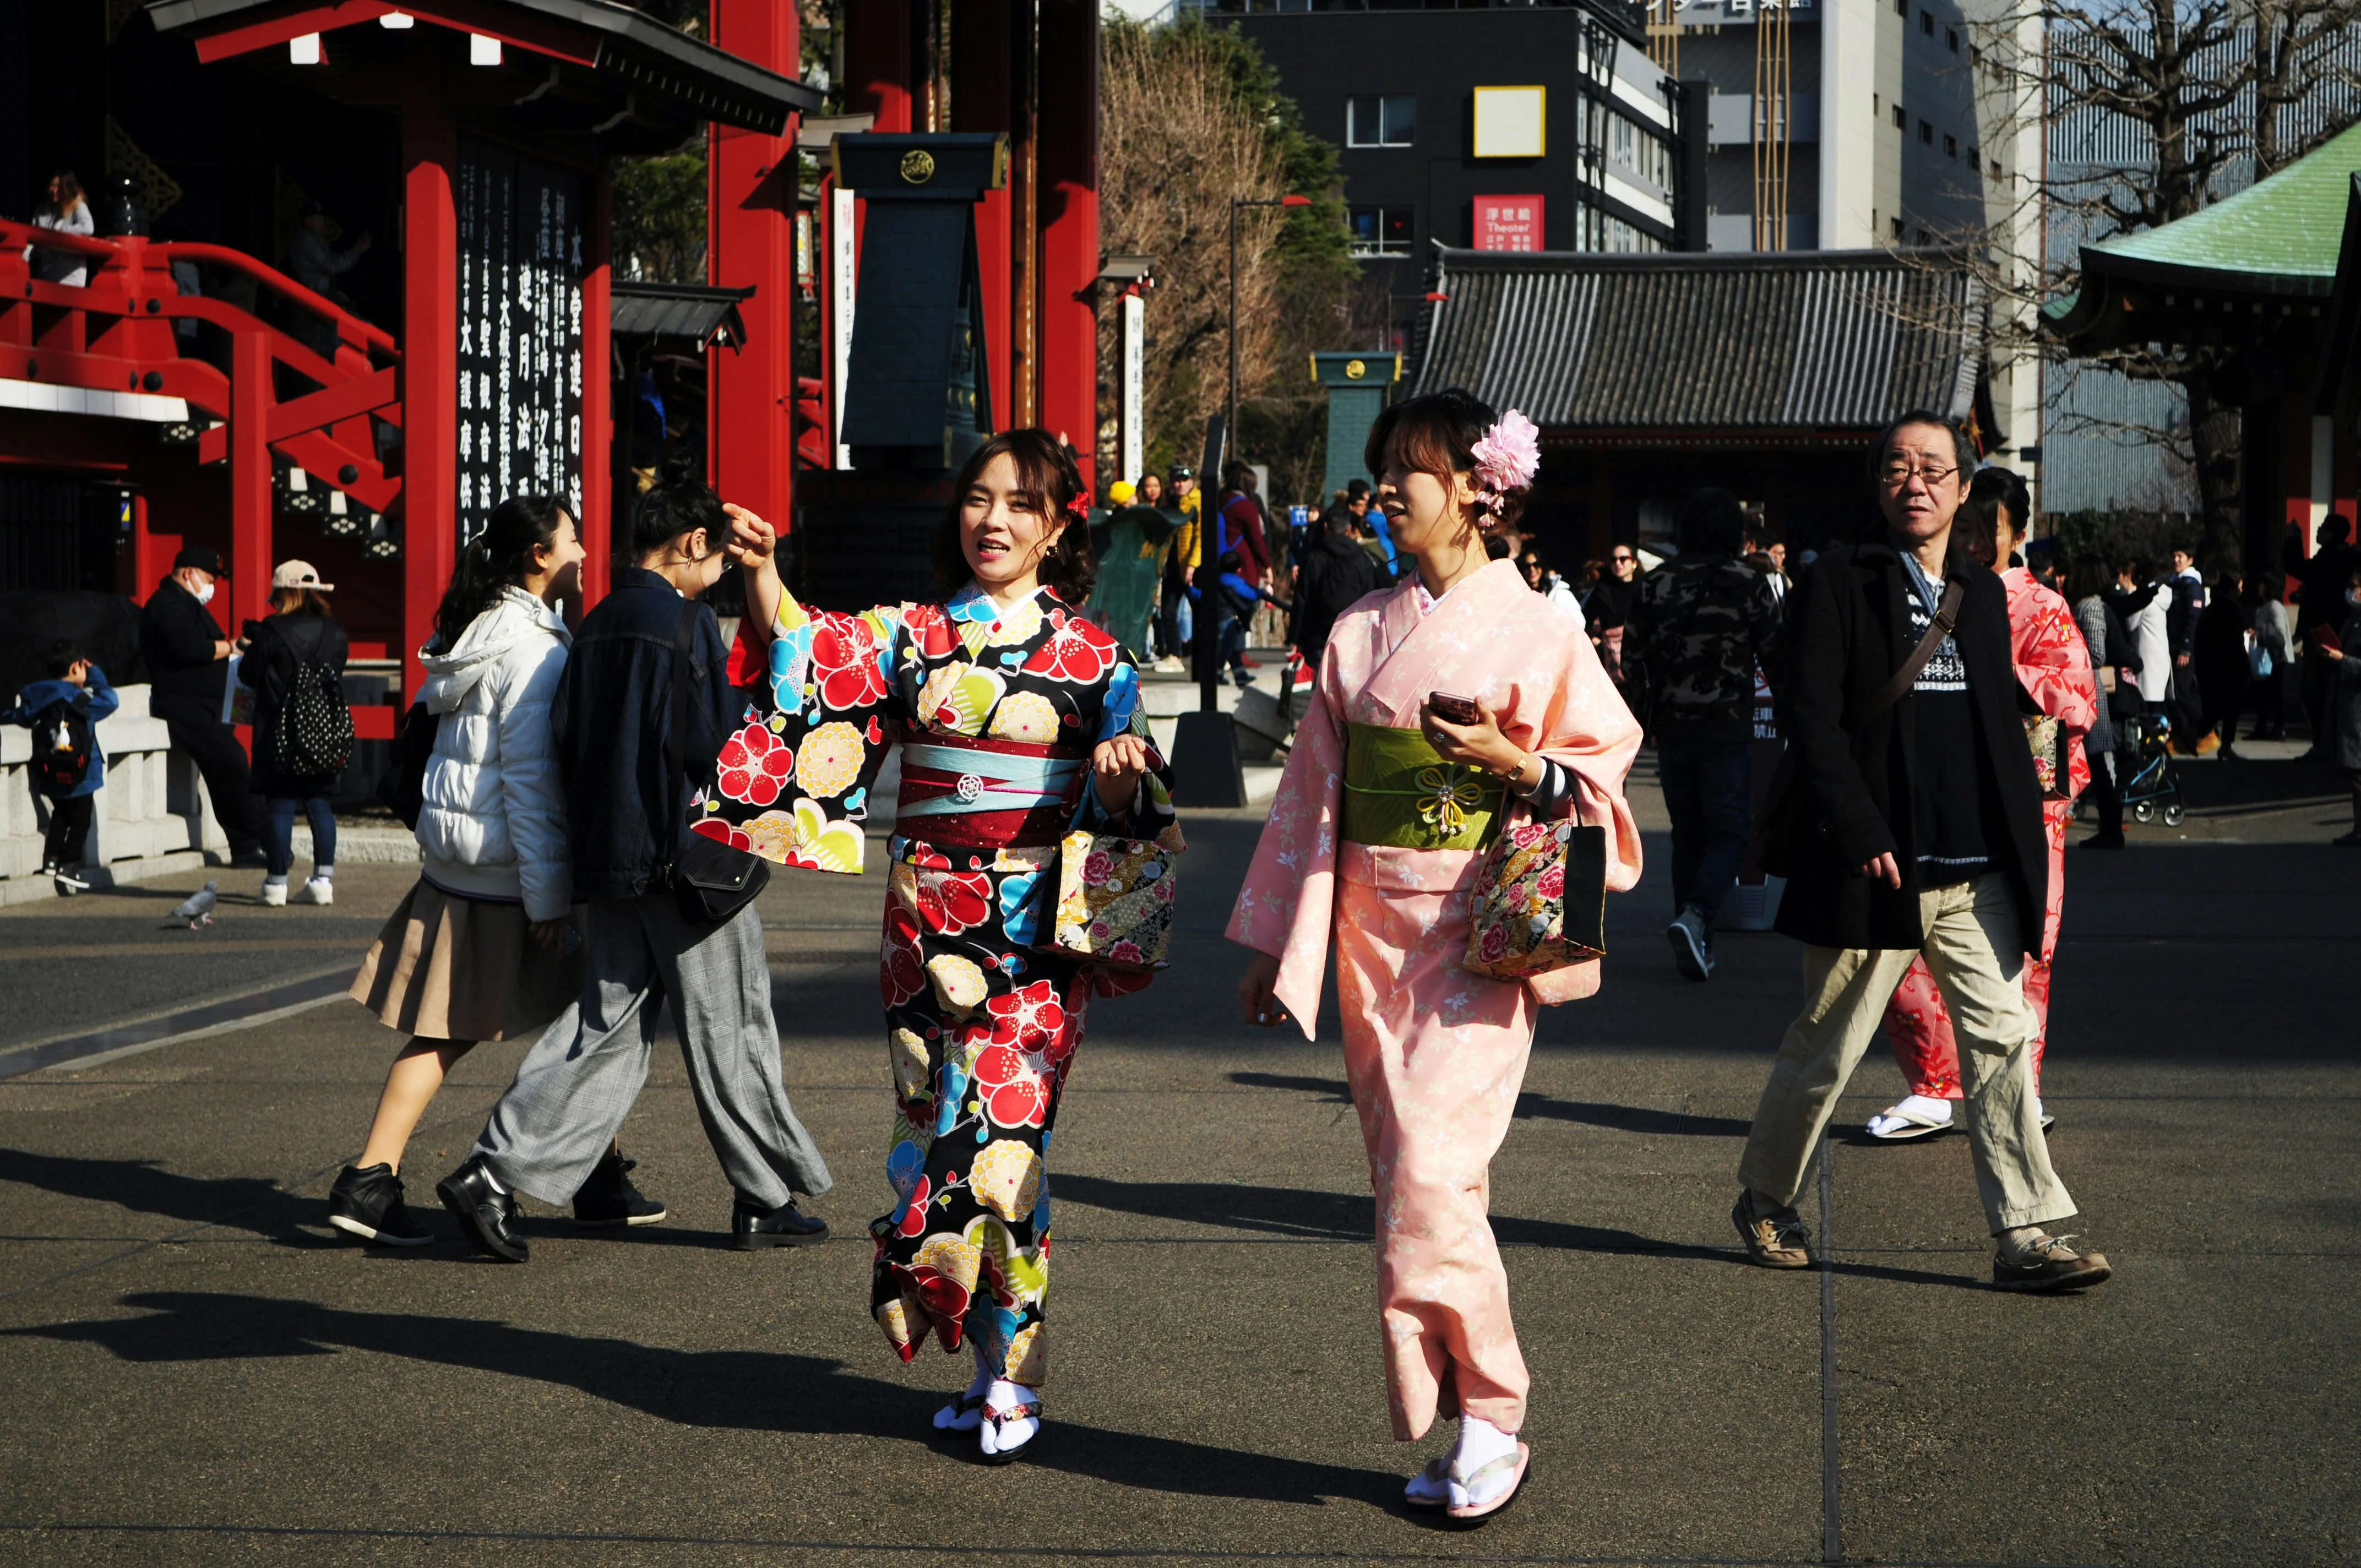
1018,721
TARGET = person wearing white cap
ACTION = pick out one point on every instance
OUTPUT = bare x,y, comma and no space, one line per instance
303,731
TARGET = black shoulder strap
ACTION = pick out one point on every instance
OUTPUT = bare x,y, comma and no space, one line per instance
1946,616
683,640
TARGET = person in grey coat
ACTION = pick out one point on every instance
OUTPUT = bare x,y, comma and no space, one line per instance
2086,590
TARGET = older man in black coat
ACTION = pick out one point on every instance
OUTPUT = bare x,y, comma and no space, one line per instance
1911,823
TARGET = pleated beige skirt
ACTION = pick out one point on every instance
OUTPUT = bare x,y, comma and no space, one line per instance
447,968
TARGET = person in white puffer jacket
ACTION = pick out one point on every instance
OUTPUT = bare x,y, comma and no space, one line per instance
486,946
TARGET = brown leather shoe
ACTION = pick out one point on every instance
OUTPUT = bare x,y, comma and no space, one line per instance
1777,1240
2050,1264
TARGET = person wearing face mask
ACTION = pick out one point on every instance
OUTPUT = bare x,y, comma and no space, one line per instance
628,796
1018,723
1387,808
187,655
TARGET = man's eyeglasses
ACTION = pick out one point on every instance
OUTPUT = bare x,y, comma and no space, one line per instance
1899,473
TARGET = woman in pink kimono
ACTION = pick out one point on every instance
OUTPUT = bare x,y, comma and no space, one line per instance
2054,667
1377,833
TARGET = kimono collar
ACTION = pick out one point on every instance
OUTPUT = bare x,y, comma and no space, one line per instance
972,603
1411,604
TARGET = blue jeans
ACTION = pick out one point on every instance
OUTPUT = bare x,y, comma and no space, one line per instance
1709,792
280,847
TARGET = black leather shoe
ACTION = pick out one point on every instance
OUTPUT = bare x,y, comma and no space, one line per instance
608,1199
486,1214
367,1203
753,1227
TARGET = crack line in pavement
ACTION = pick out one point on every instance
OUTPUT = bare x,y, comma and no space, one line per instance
1832,1533
1169,1553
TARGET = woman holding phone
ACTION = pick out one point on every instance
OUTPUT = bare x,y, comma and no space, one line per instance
1439,699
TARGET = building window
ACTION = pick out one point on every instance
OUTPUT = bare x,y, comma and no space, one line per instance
1901,120
1927,133
1635,152
1876,104
1927,23
1901,9
1381,231
1995,169
1972,154
1896,228
1374,121
1951,39
1950,145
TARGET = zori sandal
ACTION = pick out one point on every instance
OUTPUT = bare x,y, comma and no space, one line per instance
995,1417
964,1413
1431,1487
1469,1515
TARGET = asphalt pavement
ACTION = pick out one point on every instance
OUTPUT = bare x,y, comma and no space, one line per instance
195,1370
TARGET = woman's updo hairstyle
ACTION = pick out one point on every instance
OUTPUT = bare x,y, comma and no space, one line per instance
1436,433
1048,482
496,559
679,502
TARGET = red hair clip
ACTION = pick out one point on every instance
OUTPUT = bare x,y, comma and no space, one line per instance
1080,504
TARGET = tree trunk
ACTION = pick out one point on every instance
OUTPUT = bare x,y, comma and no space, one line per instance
2214,433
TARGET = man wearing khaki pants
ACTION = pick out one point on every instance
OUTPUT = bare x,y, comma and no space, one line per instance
1910,823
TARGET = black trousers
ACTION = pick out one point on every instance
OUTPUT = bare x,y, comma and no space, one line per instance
69,833
214,747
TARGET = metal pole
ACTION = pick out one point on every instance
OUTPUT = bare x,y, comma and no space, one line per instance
1231,425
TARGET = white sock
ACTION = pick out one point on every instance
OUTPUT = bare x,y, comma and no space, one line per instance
324,873
2017,1238
1002,1394
1480,1442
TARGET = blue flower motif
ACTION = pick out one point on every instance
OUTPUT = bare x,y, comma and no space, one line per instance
1017,914
904,1167
856,799
1122,697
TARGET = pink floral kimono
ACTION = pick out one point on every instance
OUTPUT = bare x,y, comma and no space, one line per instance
1435,1055
2054,667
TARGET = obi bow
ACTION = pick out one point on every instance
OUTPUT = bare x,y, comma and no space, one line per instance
1446,794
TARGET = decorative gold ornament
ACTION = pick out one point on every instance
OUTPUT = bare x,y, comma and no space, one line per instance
1354,369
917,166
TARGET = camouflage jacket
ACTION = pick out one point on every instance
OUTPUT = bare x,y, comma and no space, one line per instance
1700,628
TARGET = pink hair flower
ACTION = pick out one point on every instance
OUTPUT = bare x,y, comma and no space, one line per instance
1509,454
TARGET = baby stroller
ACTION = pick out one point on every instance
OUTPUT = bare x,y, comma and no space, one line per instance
2152,788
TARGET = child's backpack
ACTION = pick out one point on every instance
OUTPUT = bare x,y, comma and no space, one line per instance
314,733
63,742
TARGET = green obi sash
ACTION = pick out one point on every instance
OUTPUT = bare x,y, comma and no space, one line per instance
1401,794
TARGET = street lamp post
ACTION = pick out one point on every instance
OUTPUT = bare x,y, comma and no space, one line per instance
1236,205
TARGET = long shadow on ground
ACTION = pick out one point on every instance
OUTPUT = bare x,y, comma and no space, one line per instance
747,1390
1531,1104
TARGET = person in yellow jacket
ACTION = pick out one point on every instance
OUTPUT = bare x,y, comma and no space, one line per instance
1172,618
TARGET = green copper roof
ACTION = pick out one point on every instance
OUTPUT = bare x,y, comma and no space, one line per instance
2290,224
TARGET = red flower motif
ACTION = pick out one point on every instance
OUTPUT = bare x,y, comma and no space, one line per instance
715,827
1495,944
1525,835
1076,652
930,631
1013,1087
914,1213
953,902
844,661
901,973
1550,883
755,765
943,1297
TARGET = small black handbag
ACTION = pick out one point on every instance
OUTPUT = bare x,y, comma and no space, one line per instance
402,786
713,880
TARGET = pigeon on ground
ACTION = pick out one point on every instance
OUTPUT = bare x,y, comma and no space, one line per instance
197,909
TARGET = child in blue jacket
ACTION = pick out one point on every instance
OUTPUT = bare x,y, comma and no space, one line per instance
67,765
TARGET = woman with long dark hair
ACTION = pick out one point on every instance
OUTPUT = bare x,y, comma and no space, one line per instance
1018,722
68,213
482,947
1459,707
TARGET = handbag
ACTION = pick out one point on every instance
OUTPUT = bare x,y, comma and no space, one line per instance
2048,744
712,880
1539,901
402,786
1117,898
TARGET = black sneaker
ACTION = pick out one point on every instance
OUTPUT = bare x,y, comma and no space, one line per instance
1692,945
753,1226
486,1214
367,1203
607,1198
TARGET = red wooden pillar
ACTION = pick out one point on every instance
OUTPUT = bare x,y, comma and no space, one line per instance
980,88
430,376
597,523
1069,215
876,61
751,199
250,480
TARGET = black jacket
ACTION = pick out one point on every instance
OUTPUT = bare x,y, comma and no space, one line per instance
273,650
612,721
1848,633
176,638
1336,571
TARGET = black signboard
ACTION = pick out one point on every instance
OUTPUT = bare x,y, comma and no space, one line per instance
520,330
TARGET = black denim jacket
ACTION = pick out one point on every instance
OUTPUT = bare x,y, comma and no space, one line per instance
625,798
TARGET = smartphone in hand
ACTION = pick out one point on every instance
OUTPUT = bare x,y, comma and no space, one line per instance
1453,709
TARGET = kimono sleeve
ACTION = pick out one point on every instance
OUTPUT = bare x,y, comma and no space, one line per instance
793,784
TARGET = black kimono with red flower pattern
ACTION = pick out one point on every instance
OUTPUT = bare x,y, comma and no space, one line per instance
997,709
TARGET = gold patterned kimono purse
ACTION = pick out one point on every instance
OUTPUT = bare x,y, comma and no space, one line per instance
1540,901
1115,899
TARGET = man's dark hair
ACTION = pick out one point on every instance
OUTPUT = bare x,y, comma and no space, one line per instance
1710,522
1229,561
2336,527
63,655
1963,451
2088,578
2135,567
678,503
1355,489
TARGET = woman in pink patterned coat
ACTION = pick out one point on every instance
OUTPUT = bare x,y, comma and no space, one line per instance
2054,667
1374,839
